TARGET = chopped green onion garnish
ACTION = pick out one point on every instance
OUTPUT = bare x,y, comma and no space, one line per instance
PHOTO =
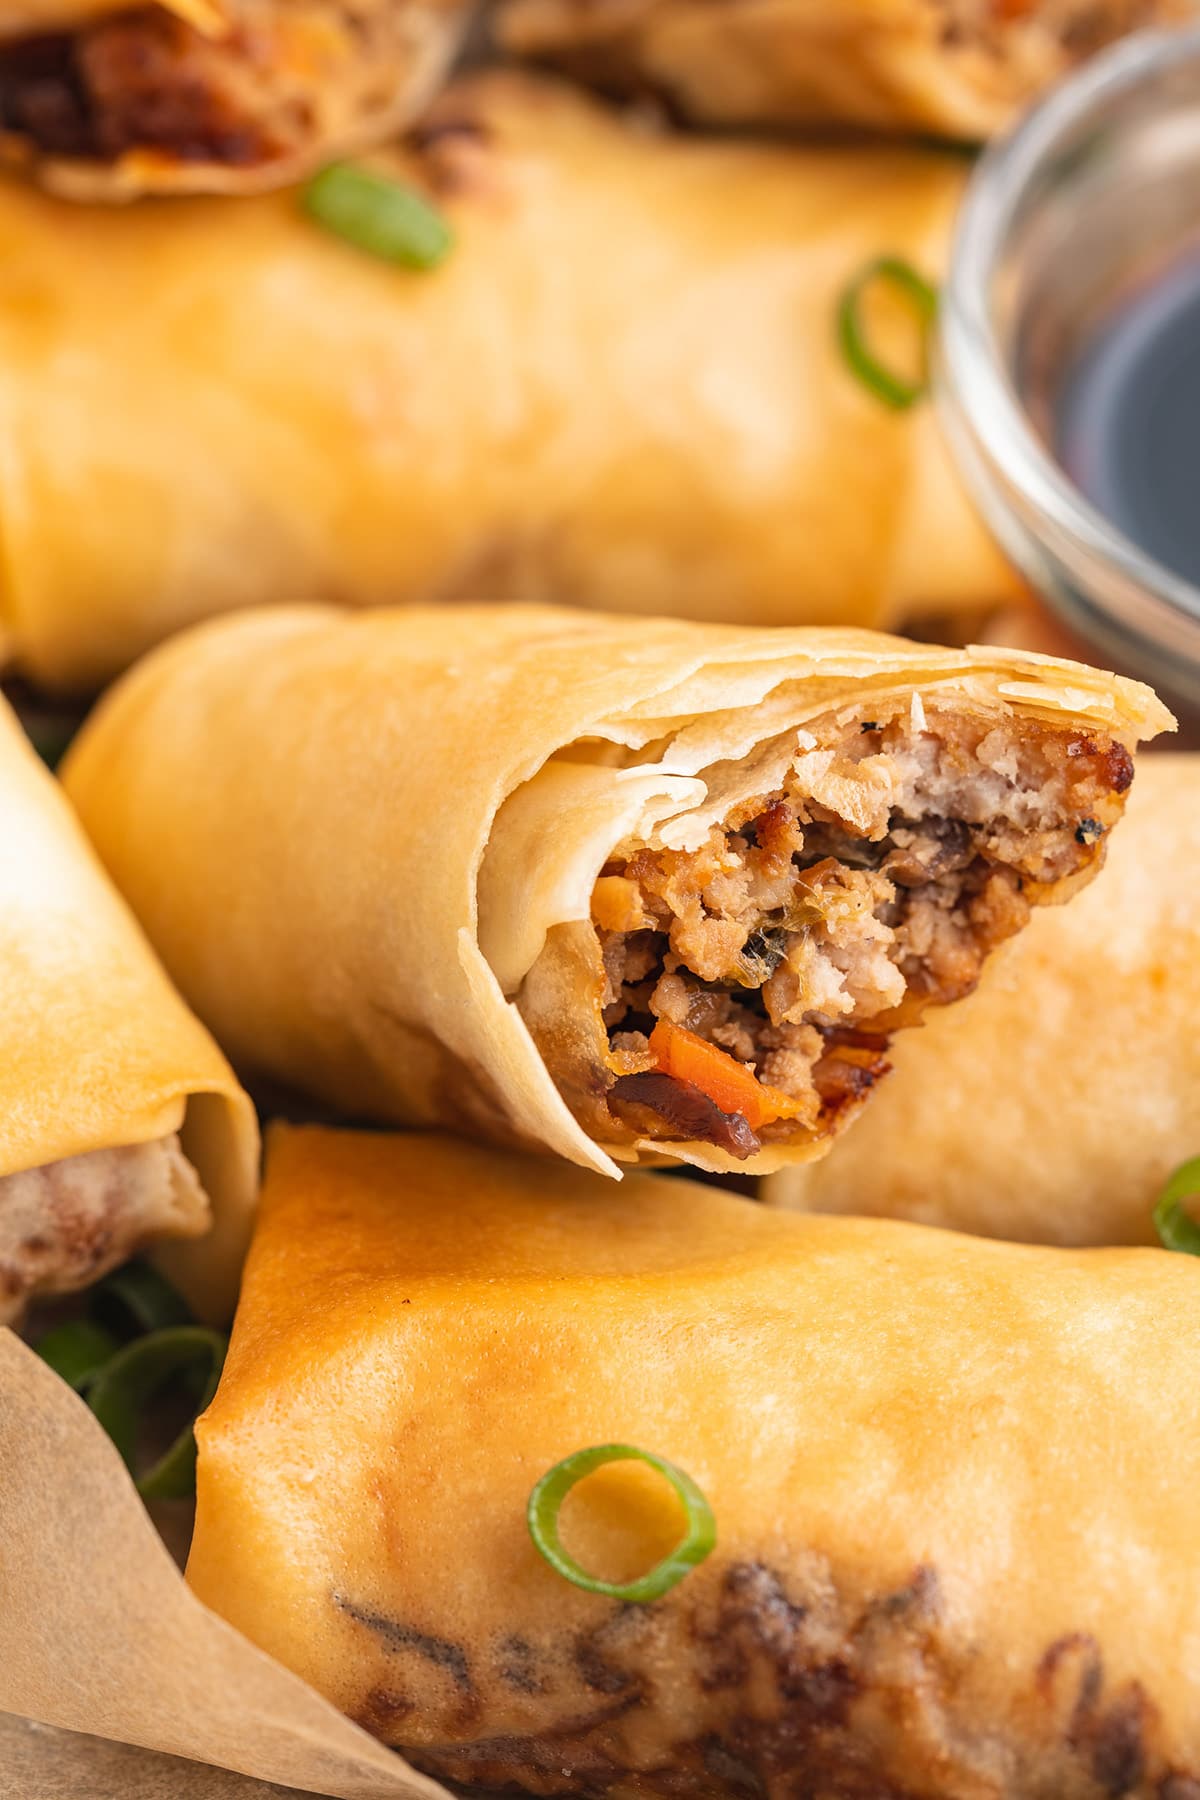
894,390
135,1299
550,1492
378,215
1177,1230
77,1351
123,1390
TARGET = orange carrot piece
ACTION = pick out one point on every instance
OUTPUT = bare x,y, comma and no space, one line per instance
728,1083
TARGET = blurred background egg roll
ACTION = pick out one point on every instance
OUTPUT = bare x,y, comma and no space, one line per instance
622,387
951,68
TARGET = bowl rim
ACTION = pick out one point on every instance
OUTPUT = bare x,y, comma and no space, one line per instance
974,378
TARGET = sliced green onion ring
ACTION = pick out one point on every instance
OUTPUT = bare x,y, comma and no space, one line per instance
134,1377
77,1351
378,215
892,389
1176,1229
135,1299
547,1497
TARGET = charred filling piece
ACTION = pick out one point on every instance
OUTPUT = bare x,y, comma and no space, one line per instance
64,1225
751,985
286,76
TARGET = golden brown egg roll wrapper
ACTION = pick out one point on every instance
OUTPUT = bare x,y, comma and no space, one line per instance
97,1051
367,847
959,69
953,1485
622,388
1054,1106
109,99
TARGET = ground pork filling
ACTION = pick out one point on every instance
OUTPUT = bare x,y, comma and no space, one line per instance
145,80
826,914
65,1224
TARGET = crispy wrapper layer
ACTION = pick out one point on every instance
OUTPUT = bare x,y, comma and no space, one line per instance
212,405
108,101
1054,1106
953,1484
368,848
960,68
98,1054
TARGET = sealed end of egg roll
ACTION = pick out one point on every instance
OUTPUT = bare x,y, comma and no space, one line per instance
121,1125
616,888
107,99
951,1485
952,67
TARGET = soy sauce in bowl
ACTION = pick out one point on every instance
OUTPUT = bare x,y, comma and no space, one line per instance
1067,365
1127,418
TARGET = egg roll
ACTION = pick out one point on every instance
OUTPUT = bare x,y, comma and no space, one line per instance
611,887
121,1124
953,1485
959,69
104,100
622,389
1053,1108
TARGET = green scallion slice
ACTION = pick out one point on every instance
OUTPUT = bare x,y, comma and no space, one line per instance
378,215
892,389
135,1299
137,1376
77,1351
547,1497
1176,1229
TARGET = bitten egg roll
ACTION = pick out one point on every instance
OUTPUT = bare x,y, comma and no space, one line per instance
215,404
121,1125
109,99
953,1485
612,887
955,68
1055,1106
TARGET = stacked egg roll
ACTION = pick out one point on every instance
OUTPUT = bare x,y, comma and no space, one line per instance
108,99
953,1486
212,404
617,888
121,1124
958,68
1054,1107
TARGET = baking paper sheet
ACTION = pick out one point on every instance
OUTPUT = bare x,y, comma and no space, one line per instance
100,1634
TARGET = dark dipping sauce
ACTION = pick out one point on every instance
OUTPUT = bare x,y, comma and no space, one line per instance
1127,421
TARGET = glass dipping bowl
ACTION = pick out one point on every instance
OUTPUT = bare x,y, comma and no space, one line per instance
1094,192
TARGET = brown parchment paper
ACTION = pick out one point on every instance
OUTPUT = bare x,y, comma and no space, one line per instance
39,1762
99,1634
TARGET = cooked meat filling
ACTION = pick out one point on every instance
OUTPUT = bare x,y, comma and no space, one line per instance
66,1224
288,75
762,973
